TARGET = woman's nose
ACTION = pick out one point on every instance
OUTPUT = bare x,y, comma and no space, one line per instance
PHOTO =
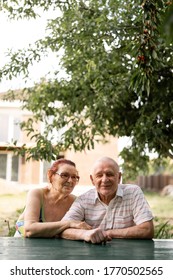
70,179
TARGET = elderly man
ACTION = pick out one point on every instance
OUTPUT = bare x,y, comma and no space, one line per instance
113,210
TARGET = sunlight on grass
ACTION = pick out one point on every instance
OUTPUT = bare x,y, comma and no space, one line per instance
10,204
161,206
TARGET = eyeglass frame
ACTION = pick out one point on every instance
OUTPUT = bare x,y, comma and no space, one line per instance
69,176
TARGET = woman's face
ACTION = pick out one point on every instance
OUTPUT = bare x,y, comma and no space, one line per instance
65,178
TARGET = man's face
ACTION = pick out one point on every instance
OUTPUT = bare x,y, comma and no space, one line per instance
106,177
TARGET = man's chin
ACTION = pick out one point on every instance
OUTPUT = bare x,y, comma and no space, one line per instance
106,188
106,192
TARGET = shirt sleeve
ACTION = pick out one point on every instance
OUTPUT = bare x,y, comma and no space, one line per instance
141,209
76,211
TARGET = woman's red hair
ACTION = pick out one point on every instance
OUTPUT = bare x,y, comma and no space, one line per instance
55,166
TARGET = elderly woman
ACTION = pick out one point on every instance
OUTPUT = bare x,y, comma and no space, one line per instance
45,207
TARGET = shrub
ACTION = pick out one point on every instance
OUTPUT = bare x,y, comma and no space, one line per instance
163,229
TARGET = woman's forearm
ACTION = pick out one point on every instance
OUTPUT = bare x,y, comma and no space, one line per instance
48,229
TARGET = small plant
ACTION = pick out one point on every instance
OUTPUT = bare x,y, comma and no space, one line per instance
12,229
163,230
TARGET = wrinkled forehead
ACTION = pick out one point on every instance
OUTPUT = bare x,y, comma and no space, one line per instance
105,166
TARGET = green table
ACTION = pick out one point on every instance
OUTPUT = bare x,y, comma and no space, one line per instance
59,249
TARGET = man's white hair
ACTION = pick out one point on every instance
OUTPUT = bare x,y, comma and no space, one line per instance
104,159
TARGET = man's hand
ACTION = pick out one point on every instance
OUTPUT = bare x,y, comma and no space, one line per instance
95,236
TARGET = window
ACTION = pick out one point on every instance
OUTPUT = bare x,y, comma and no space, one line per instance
46,166
3,166
9,167
4,120
16,129
14,168
10,128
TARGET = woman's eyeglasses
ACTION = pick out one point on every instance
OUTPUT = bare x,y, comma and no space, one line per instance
66,176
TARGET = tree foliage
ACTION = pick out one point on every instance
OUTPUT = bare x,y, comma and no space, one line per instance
118,60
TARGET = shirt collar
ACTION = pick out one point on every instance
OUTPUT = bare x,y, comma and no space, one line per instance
119,191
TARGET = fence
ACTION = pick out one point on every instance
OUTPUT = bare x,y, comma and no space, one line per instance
155,182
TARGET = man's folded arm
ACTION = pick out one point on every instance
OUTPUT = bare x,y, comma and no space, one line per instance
142,231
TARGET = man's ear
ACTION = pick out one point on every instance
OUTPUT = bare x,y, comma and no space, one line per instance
91,178
119,179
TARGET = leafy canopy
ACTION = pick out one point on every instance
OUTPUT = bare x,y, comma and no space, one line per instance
118,60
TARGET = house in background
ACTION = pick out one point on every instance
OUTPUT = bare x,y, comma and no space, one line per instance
14,168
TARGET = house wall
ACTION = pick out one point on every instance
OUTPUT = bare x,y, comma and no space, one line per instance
28,171
85,160
31,172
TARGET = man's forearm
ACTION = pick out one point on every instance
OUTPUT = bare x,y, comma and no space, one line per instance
143,231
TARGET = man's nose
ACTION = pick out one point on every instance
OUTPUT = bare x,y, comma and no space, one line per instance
104,177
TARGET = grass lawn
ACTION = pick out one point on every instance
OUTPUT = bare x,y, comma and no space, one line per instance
162,208
9,206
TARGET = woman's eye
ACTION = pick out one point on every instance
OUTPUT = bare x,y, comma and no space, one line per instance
65,176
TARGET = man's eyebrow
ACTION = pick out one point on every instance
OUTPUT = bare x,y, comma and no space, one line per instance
99,172
105,172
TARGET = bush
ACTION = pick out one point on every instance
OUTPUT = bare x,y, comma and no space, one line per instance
163,230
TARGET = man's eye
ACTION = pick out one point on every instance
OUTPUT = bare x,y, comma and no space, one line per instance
109,175
99,175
